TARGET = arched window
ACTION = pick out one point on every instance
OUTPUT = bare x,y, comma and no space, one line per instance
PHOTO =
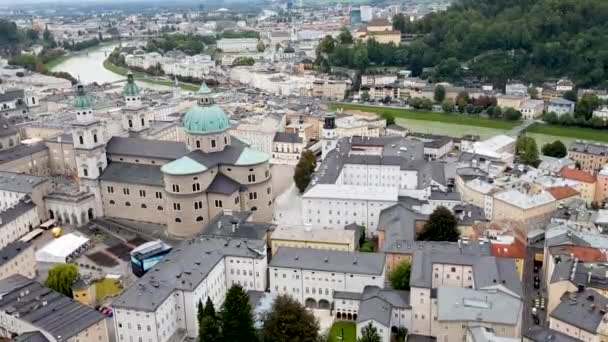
112,202
94,138
128,204
199,219
143,122
160,208
178,220
80,139
254,208
212,142
198,144
143,206
85,172
130,123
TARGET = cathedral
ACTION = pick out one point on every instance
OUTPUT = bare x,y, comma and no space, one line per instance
181,184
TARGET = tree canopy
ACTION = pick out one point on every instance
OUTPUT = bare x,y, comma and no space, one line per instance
441,226
527,151
61,278
555,149
288,320
400,276
304,170
526,39
369,333
236,319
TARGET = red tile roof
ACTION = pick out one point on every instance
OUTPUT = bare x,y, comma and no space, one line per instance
562,192
578,175
587,254
516,250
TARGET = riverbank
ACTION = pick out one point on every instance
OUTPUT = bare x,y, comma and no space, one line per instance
458,125
142,77
457,119
573,132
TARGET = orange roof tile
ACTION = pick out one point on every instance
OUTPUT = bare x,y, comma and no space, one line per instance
578,175
516,250
587,254
561,192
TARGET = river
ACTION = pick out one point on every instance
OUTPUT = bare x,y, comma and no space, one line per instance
87,65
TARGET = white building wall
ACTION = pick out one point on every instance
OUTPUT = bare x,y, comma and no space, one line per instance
337,213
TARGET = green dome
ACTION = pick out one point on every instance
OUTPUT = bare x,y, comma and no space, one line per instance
204,120
82,99
131,89
204,89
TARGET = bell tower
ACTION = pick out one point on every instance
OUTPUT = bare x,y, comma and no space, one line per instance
134,117
329,134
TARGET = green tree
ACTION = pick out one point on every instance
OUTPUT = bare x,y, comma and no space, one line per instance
365,95
389,117
498,112
550,118
512,114
369,333
199,312
439,94
586,105
533,92
555,149
304,170
345,37
210,330
209,309
288,320
527,150
448,106
237,322
441,226
61,278
400,276
327,45
570,95
401,23
367,247
361,59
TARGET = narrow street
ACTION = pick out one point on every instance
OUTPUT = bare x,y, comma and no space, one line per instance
530,293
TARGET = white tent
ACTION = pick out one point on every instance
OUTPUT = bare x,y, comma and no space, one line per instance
62,249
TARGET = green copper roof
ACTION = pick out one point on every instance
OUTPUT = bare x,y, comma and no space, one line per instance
204,120
182,167
204,89
250,156
131,89
82,99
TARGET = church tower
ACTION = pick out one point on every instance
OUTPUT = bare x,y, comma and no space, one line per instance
88,137
134,113
329,135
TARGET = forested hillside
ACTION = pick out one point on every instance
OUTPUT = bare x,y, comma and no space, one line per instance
527,39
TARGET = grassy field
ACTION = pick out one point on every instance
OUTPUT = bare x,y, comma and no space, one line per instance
139,76
350,332
578,133
433,116
107,288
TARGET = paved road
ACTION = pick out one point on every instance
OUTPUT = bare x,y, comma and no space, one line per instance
530,293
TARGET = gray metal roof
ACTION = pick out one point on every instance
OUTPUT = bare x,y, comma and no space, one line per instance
133,174
596,149
44,308
222,184
481,306
237,225
13,249
542,334
399,223
488,271
19,182
9,215
286,137
329,261
11,95
591,275
184,268
228,156
377,304
145,148
34,336
444,196
6,127
584,310
21,151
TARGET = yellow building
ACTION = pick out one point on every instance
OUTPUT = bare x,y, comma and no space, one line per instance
381,30
84,292
586,183
314,237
